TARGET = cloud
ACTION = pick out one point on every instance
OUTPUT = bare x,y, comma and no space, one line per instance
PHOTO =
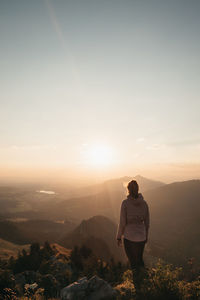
140,140
31,147
188,142
185,165
155,146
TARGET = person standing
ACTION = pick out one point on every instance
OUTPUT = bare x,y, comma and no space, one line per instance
134,228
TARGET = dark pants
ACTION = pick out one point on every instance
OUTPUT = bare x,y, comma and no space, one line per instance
134,252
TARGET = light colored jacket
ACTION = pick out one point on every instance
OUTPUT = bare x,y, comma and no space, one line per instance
134,219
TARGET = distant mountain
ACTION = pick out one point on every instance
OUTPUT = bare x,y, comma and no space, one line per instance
146,184
105,201
99,234
174,220
118,184
102,199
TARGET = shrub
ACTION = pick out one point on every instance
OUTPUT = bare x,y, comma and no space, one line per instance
162,282
126,290
190,290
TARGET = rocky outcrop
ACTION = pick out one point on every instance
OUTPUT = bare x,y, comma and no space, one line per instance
93,289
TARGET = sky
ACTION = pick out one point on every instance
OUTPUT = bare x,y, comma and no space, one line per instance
84,77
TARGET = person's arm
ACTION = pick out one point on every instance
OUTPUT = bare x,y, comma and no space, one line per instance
122,222
147,221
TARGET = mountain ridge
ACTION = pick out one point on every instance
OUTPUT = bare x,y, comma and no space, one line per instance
97,230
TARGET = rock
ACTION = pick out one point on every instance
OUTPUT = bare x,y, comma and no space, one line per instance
100,289
93,289
76,290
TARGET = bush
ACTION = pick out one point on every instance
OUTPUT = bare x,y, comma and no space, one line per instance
190,290
162,282
126,290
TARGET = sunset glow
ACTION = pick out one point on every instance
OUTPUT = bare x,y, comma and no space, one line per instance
99,156
107,87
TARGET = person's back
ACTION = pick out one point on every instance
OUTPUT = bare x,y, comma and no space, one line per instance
134,227
136,217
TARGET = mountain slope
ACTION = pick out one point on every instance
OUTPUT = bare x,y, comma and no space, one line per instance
98,233
8,249
33,231
174,220
10,232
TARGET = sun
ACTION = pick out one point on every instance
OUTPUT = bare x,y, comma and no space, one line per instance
99,155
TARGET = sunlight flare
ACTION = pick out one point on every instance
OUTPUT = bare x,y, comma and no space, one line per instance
99,155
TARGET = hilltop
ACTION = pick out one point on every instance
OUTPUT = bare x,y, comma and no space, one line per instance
99,234
8,249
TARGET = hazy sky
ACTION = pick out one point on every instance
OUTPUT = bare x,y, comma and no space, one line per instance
119,74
